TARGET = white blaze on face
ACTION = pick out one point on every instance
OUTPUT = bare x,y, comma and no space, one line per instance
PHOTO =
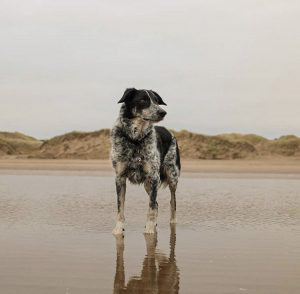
149,95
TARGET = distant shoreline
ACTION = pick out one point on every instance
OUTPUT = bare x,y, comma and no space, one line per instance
274,166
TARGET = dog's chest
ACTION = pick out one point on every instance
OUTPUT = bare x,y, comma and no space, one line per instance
139,158
136,162
137,165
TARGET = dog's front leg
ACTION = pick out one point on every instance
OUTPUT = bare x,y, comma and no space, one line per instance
121,190
152,187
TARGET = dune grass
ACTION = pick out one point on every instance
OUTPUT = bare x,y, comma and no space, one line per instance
17,143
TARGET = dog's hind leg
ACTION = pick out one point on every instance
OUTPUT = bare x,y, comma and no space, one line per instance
172,173
173,187
172,170
151,187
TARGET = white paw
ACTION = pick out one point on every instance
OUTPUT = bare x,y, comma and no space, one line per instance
150,227
173,220
119,228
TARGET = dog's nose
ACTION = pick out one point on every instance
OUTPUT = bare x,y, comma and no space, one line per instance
162,113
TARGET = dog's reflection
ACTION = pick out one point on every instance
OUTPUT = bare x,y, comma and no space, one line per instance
159,271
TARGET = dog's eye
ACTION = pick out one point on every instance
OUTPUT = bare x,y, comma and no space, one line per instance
143,100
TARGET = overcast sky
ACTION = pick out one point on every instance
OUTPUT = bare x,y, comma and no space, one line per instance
221,66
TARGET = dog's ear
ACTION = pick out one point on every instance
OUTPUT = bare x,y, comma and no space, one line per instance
159,99
128,94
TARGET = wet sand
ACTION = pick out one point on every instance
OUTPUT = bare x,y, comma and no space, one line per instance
234,234
271,165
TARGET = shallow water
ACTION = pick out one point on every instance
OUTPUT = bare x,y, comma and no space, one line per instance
234,235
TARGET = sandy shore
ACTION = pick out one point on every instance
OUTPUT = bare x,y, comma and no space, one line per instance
234,234
282,166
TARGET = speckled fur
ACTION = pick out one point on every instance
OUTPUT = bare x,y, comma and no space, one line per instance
135,156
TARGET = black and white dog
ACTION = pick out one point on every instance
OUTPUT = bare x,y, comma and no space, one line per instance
143,153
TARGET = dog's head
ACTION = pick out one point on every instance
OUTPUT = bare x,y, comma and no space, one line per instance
144,104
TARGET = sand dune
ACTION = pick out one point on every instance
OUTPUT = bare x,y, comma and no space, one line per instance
96,145
17,144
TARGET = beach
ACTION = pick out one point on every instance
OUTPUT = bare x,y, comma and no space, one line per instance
197,101
267,166
237,231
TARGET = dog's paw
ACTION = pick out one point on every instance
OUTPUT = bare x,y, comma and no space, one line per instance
150,227
119,228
